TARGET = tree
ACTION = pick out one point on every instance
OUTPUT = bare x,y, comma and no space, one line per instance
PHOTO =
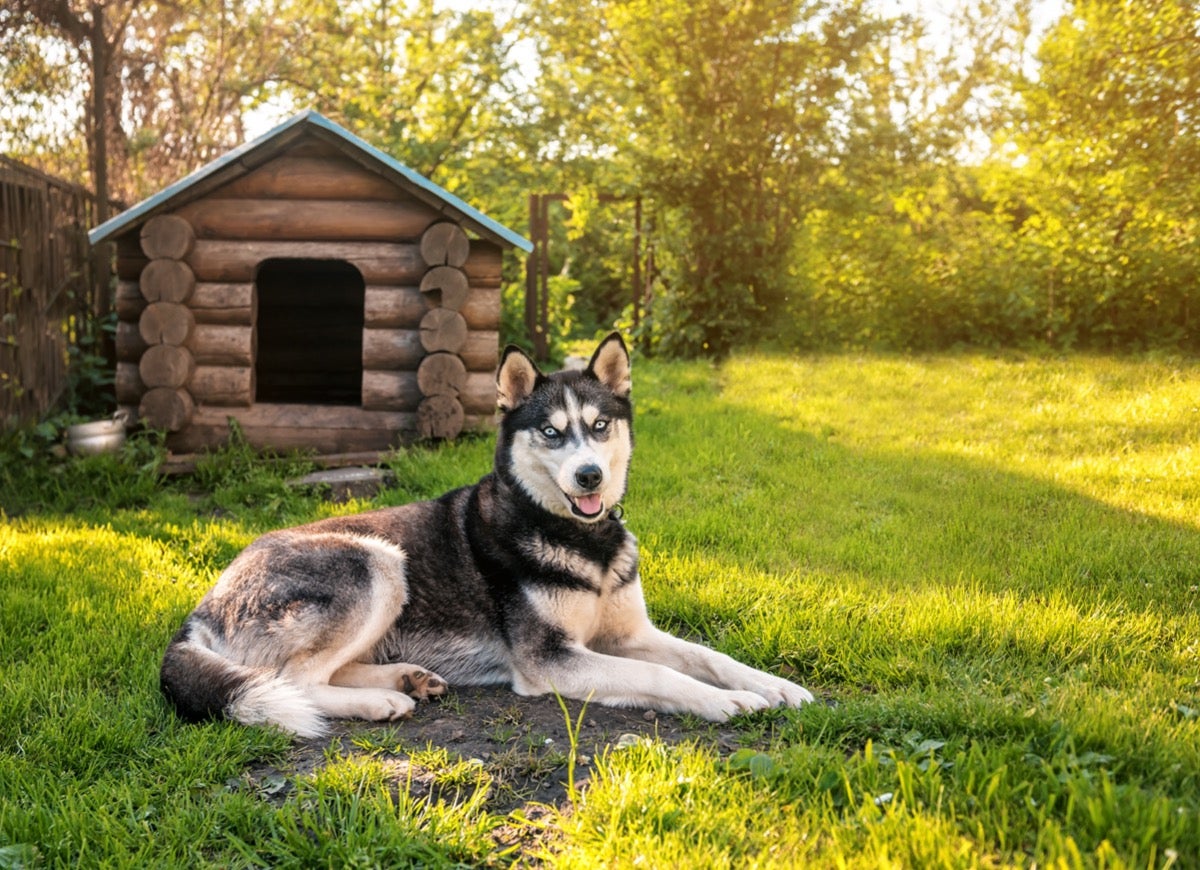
429,85
147,91
725,113
1110,156
83,34
906,247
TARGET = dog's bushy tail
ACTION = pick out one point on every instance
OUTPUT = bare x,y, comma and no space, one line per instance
203,684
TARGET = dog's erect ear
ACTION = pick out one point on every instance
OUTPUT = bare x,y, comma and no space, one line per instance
516,378
610,365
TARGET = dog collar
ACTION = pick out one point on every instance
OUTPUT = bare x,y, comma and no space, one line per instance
617,512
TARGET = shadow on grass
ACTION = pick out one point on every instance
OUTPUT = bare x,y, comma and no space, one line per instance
922,591
750,490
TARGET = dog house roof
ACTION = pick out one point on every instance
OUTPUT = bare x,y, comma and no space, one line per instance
251,155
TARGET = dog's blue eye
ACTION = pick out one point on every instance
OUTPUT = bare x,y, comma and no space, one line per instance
600,425
550,432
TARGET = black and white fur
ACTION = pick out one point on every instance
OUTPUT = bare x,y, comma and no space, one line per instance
528,578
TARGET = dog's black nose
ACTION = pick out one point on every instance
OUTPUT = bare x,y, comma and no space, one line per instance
589,477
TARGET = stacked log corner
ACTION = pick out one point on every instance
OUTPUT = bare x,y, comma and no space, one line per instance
182,342
447,386
431,336
165,325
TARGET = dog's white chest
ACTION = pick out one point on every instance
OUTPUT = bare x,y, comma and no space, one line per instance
585,617
575,612
600,597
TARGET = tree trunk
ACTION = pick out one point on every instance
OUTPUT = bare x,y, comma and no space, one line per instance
128,384
325,429
166,323
378,262
308,220
166,365
441,374
223,385
319,177
445,244
231,304
168,237
100,59
130,302
215,344
442,329
165,408
102,255
439,417
401,349
385,349
401,391
445,286
165,280
220,295
397,263
130,344
403,308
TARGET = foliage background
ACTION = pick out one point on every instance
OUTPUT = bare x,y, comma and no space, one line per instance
815,174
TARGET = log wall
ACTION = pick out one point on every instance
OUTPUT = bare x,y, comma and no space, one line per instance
188,309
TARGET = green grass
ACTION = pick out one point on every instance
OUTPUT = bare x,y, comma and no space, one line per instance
988,564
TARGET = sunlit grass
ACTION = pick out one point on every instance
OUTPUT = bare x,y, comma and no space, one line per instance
1125,432
987,565
999,553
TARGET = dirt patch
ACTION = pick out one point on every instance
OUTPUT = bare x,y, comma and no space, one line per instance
521,745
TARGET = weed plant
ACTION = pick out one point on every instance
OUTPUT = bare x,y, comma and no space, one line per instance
986,568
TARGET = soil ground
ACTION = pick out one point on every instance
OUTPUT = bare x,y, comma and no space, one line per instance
522,744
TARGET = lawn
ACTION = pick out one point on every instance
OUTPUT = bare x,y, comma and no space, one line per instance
987,567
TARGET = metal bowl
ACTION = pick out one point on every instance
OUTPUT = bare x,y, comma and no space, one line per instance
102,436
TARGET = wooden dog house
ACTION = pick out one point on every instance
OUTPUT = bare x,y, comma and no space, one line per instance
313,289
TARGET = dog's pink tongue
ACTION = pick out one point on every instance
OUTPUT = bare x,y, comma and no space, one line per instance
589,504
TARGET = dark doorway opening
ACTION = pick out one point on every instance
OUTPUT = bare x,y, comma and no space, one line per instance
310,330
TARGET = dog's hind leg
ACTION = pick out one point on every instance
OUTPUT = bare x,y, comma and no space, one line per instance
412,680
373,705
331,673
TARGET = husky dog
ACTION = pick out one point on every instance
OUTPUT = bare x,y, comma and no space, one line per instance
528,578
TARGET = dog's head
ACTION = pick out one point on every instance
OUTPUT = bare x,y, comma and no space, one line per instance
566,438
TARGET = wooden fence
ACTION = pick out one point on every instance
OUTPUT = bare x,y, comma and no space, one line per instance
47,287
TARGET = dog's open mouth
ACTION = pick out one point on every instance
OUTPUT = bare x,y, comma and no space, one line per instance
587,506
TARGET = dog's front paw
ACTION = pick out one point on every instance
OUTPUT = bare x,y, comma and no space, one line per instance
785,693
727,704
778,691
